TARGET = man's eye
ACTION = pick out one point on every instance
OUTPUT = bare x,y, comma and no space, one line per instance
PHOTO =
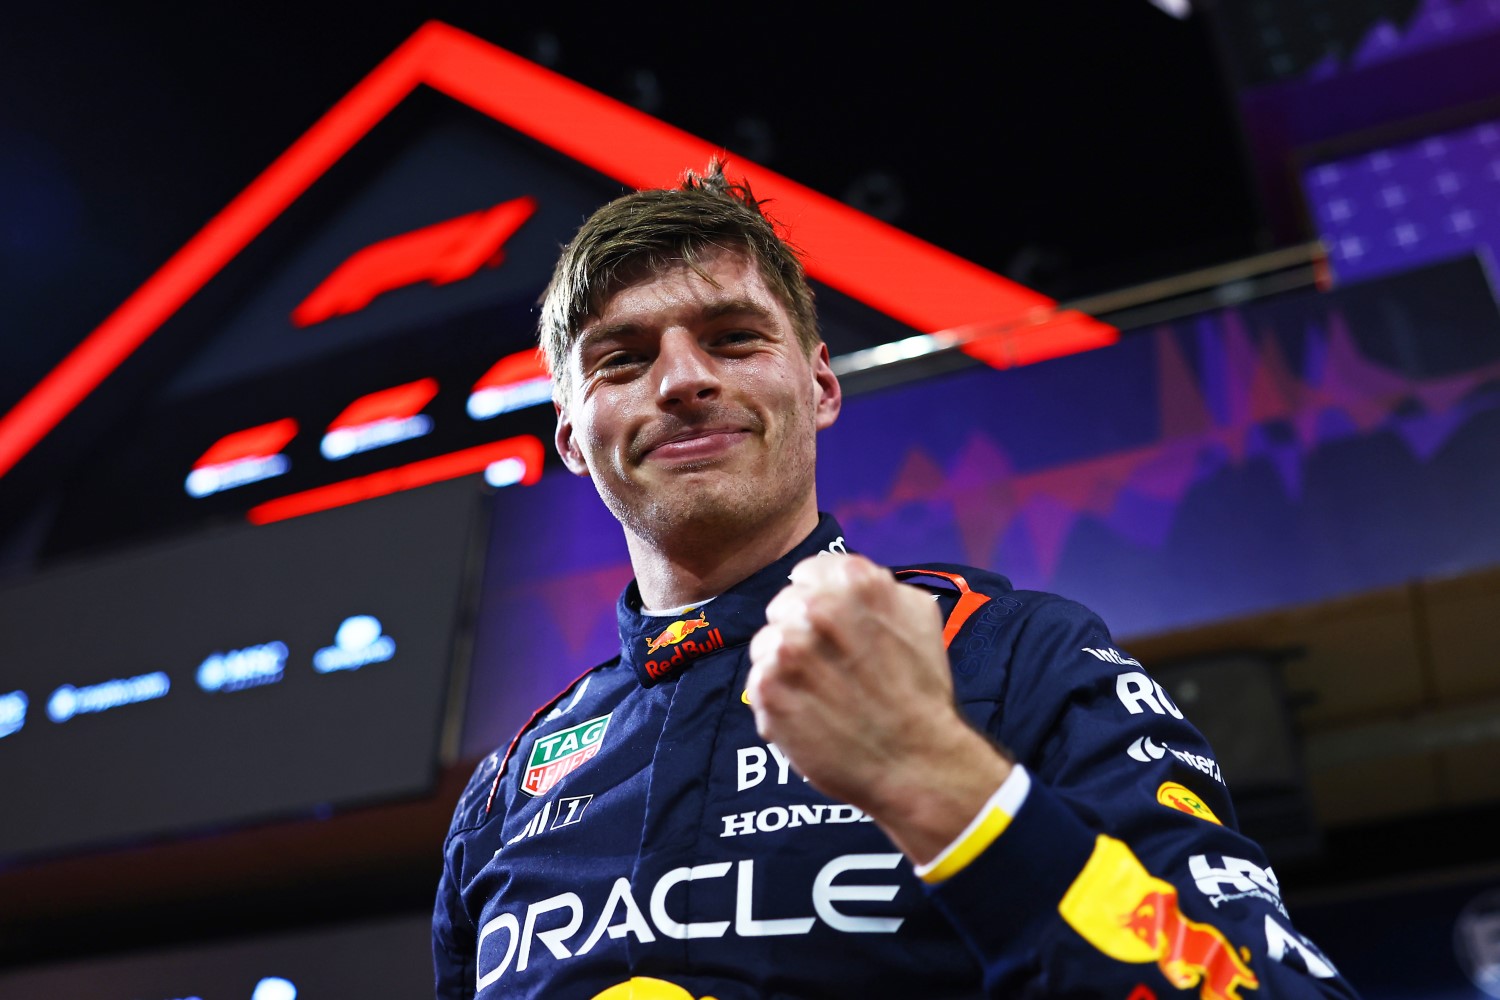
619,359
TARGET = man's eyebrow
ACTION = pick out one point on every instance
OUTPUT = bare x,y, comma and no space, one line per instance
737,307
713,311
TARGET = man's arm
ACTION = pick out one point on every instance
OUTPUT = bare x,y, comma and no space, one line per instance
1039,867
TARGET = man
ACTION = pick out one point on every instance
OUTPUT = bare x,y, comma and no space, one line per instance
806,775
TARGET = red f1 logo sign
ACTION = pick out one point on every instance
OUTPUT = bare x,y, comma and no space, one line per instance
914,282
441,254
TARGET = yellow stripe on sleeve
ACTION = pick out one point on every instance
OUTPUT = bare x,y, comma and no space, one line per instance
982,831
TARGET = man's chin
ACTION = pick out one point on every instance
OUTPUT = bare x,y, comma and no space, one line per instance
690,508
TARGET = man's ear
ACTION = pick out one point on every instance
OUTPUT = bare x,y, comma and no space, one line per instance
830,397
566,447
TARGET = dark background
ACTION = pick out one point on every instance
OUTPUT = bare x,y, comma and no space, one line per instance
1074,146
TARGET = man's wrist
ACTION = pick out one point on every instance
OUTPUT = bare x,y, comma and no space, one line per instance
930,806
983,830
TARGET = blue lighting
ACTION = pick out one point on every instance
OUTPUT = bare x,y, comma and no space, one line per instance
212,478
12,712
68,701
274,988
346,441
358,643
243,668
497,399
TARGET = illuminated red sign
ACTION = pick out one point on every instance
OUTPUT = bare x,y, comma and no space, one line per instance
516,460
245,456
915,282
439,254
515,381
380,418
394,403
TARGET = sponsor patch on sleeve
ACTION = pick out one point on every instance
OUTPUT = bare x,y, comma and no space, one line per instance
1132,916
1179,797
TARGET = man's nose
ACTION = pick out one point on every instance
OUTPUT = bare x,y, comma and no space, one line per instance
685,372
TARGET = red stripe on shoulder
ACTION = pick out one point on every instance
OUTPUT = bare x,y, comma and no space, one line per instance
968,601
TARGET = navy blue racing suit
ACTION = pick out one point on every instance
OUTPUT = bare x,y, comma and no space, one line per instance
639,839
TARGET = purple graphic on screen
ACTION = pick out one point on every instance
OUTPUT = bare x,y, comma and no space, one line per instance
1435,23
1241,460
1290,450
1422,201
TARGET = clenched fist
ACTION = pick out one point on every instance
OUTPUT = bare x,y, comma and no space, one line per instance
850,680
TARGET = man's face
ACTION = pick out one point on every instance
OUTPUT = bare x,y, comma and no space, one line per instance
692,405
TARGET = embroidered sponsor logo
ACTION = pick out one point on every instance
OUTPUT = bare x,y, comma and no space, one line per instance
1138,692
752,766
571,924
1282,942
685,650
1189,953
645,988
556,756
677,631
1111,655
1175,796
569,811
773,818
1235,878
1130,915
1147,750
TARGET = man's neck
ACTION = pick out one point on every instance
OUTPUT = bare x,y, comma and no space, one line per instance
686,569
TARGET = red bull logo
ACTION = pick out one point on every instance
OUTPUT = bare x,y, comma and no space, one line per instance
676,632
645,988
1189,953
687,650
1132,916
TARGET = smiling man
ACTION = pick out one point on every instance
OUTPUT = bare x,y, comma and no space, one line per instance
806,775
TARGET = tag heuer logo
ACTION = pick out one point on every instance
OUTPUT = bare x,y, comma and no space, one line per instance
554,757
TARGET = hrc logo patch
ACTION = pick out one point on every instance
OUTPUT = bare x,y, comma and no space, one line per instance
556,756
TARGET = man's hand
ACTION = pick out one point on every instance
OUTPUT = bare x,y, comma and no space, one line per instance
850,680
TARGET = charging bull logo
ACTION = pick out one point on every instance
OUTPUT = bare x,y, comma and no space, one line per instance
688,650
1189,953
1132,916
645,988
676,632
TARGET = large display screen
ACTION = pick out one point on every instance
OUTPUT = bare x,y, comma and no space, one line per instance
379,960
245,674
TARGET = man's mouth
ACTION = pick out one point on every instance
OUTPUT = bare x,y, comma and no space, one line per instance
695,444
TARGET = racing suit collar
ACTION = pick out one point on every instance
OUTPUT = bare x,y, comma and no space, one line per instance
657,648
